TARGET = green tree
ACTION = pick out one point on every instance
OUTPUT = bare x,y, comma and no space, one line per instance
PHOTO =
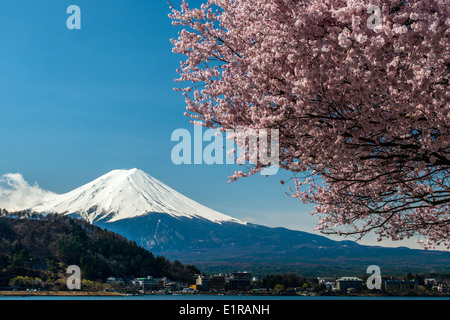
19,259
71,249
279,288
54,267
25,282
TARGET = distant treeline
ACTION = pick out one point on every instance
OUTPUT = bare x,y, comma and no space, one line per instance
286,280
291,280
29,214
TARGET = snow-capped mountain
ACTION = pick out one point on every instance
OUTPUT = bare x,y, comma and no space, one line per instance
125,194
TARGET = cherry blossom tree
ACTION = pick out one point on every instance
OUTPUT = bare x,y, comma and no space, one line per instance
358,92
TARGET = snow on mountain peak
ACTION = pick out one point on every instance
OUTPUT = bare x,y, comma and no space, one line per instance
122,194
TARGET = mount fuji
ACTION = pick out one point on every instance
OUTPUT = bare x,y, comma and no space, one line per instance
160,219
126,194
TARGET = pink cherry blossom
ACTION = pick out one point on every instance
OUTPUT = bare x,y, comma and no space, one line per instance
361,111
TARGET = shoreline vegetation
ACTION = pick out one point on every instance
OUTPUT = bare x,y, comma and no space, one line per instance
250,293
78,293
58,293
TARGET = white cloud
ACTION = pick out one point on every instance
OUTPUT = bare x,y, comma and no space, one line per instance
249,219
17,194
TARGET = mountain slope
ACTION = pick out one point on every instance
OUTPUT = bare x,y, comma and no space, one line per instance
124,194
28,244
231,246
143,209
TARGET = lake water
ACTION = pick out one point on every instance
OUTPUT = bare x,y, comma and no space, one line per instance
218,307
219,298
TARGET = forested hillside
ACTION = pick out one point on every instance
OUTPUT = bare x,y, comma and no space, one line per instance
34,245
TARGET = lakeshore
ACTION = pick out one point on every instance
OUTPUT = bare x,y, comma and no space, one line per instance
60,293
221,306
205,296
152,297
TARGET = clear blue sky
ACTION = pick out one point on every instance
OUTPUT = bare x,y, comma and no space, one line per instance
75,104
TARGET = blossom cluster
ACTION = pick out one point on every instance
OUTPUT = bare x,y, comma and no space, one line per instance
362,112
